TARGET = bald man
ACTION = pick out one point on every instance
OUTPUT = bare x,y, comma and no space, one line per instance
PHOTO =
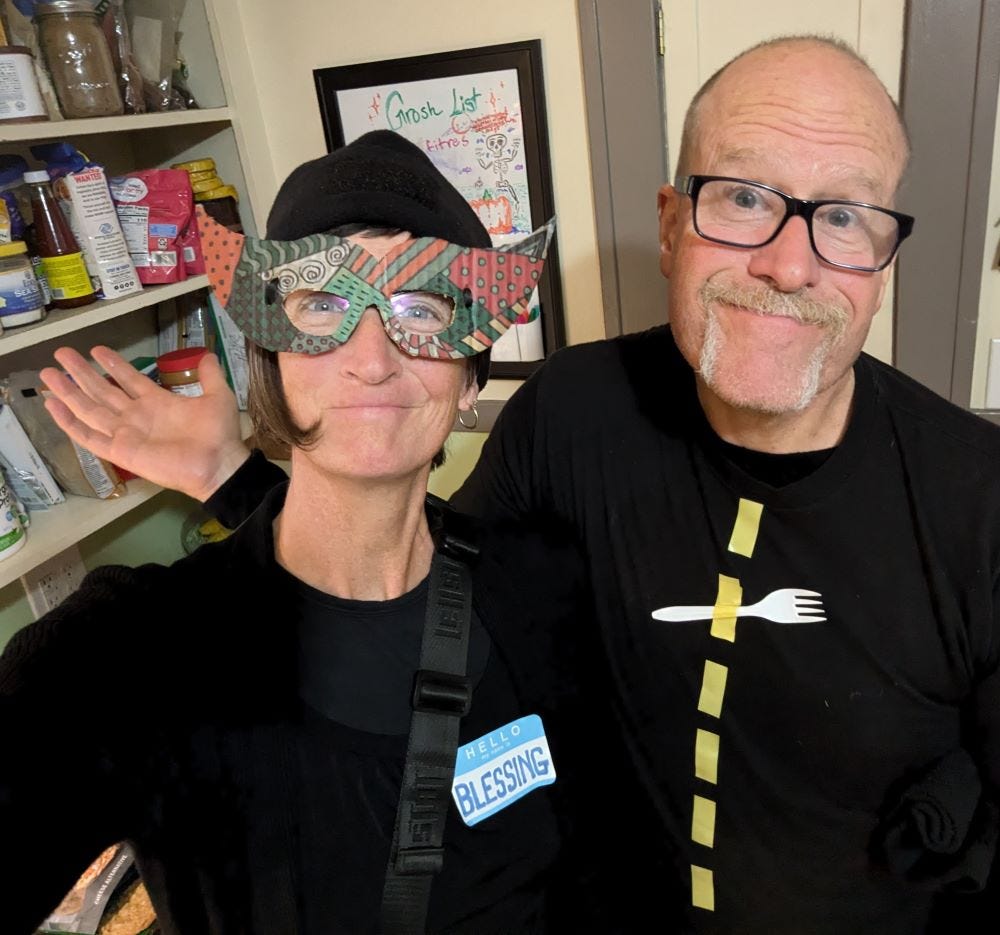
794,549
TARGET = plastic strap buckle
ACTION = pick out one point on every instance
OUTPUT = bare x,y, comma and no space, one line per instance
441,693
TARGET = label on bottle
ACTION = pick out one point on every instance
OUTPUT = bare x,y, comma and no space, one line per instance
19,292
43,283
187,389
67,276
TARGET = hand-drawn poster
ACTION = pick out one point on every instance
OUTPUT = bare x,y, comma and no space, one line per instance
470,127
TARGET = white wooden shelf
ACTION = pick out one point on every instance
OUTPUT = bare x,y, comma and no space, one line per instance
61,129
55,529
58,323
65,524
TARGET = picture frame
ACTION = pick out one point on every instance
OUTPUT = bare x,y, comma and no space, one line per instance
479,114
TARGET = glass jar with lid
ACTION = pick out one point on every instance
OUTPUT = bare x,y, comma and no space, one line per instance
78,57
21,300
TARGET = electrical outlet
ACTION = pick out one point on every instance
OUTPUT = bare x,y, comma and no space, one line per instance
51,582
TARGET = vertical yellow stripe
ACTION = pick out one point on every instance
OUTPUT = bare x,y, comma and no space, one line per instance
702,888
706,756
703,821
729,598
713,688
744,536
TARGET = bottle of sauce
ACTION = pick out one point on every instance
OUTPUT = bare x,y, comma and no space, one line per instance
62,262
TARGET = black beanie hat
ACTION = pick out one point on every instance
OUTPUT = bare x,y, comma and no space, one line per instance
384,180
380,179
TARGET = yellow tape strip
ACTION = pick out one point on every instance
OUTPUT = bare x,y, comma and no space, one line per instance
702,888
730,597
703,821
744,536
713,688
706,756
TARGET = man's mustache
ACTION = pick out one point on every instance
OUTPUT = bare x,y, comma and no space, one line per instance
766,301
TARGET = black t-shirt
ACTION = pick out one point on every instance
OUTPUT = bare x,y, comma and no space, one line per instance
357,661
771,750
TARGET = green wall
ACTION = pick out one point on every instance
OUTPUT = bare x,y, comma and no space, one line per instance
151,532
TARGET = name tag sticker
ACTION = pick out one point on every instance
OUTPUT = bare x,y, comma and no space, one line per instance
501,767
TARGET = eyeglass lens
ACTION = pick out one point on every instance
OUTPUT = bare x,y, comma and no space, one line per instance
321,313
747,215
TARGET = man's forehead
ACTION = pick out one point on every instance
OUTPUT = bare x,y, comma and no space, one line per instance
804,104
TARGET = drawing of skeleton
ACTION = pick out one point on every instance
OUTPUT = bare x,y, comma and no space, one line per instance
498,156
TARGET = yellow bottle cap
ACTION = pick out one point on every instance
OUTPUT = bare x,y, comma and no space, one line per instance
13,248
196,165
225,191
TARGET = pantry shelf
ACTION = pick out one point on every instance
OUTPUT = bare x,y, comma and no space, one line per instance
59,323
65,524
61,129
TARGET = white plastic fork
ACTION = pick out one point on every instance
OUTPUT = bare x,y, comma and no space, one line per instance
786,605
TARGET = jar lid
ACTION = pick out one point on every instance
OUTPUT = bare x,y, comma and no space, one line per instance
225,191
186,358
36,175
13,248
14,50
206,185
64,6
196,165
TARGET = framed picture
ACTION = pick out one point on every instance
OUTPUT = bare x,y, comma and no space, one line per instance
479,114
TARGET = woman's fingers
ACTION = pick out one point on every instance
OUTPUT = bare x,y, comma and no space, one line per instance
89,382
76,429
123,373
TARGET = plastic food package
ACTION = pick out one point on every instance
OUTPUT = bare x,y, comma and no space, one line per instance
81,188
108,899
115,26
154,207
77,470
12,169
153,27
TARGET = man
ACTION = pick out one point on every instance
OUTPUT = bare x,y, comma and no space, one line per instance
748,451
794,549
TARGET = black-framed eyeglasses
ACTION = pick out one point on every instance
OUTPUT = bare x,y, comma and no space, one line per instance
742,213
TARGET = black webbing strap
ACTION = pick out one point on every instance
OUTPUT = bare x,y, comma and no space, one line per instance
441,695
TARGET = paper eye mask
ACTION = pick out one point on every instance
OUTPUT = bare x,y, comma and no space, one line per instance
435,299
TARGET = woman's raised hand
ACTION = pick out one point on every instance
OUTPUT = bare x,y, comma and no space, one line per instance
187,443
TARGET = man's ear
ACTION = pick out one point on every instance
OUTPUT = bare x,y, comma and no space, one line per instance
886,275
668,210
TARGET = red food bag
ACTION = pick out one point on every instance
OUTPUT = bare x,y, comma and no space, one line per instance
190,244
155,207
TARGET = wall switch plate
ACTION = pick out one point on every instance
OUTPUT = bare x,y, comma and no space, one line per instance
50,583
993,376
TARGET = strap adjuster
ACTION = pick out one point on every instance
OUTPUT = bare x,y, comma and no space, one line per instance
414,861
441,693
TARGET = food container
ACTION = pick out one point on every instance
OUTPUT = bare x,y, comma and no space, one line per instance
178,370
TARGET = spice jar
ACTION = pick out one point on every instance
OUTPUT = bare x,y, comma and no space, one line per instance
79,60
178,370
21,299
220,205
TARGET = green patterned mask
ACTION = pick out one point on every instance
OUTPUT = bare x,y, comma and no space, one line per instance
435,299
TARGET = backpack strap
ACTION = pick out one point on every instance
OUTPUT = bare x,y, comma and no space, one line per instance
441,696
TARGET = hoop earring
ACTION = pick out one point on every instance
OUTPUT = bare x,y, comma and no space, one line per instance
475,418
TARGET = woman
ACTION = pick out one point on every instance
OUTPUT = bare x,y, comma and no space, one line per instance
246,716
